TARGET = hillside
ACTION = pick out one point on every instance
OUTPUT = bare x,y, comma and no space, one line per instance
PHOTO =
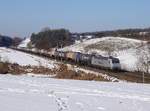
23,63
24,59
36,92
127,50
24,43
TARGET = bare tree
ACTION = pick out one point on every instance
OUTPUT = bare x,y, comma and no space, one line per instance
144,58
109,53
45,29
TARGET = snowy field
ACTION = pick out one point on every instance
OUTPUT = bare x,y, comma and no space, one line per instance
27,93
24,59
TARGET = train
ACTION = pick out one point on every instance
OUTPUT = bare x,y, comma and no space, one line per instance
92,60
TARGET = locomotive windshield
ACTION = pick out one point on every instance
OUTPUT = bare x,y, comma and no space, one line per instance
115,61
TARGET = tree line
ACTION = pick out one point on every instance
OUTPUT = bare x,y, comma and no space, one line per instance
142,34
6,41
48,38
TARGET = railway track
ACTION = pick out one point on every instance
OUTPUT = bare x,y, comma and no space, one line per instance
122,75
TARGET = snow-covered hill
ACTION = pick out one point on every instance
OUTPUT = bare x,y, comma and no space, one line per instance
27,93
24,43
24,59
127,50
101,44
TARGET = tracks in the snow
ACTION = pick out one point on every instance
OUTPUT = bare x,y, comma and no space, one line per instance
61,102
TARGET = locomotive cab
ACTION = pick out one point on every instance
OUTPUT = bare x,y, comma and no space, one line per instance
115,64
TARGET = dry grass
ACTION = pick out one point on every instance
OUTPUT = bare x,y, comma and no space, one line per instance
40,70
4,68
16,69
62,73
65,73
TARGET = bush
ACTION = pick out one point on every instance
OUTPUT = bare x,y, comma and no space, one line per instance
65,73
4,68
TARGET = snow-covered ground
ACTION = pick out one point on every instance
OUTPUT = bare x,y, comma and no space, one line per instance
27,93
24,59
24,43
127,50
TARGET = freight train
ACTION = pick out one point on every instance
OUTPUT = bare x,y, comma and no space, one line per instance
91,60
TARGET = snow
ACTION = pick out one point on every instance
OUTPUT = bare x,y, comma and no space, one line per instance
27,93
24,43
24,59
128,59
79,47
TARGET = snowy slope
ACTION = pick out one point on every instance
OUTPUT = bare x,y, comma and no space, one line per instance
26,93
24,59
24,43
79,47
117,41
127,50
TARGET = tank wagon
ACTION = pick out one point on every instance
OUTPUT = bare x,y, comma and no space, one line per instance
85,59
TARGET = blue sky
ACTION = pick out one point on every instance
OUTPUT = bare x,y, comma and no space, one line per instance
22,17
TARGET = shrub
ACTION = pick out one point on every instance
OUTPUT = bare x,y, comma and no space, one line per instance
4,68
65,73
